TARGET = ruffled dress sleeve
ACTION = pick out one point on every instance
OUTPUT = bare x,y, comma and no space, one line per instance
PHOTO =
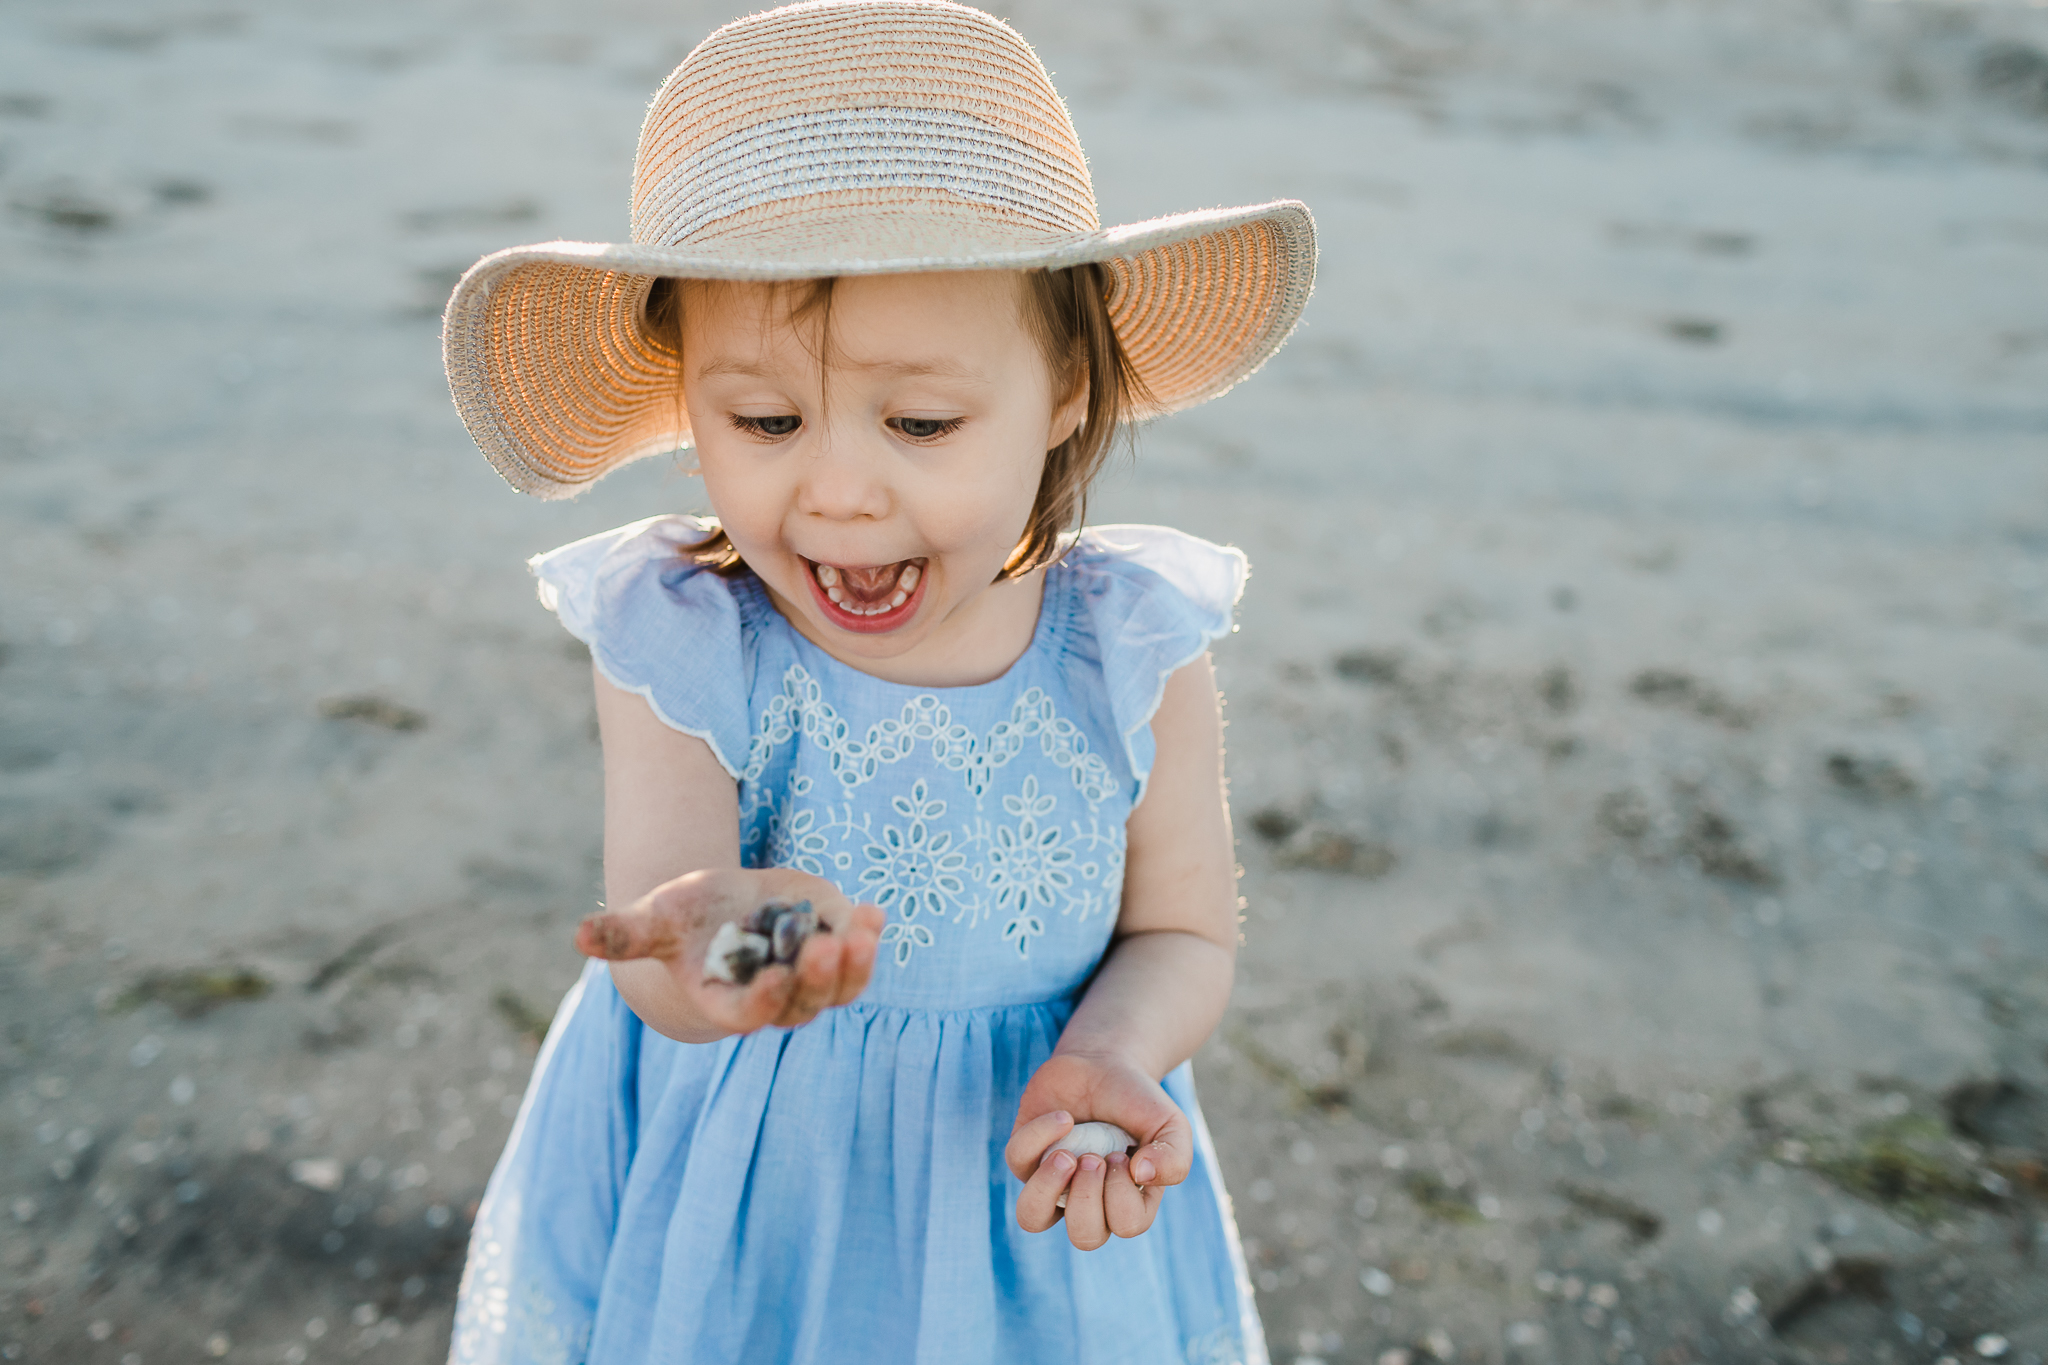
1155,599
658,625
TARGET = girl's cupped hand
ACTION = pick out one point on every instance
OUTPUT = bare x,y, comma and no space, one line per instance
673,925
1113,1194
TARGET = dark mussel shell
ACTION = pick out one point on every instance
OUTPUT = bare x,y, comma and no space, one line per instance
791,928
771,933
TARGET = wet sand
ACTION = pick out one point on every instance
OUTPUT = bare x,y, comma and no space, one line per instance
1639,722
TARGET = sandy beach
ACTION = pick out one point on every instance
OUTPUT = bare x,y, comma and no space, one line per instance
1638,720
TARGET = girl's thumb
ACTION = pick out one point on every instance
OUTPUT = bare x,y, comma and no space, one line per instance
622,937
1165,1157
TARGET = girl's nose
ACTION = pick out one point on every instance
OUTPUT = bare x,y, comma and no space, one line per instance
842,481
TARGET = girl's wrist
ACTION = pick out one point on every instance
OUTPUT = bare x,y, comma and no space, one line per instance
1112,1054
1097,1052
1157,996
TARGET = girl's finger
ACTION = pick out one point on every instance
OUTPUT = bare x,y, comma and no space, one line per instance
857,958
839,914
856,964
1085,1226
1038,1207
1028,1141
857,932
1166,1159
817,973
758,1004
1159,1162
1124,1206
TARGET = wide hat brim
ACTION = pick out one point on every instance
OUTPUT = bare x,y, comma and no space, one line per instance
560,379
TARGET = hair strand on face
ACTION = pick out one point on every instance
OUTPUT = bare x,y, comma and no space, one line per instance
1067,311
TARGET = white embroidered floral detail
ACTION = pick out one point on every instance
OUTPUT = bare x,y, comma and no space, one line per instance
908,938
1088,903
1102,847
1019,932
1034,717
923,857
483,1301
1028,863
800,708
915,870
536,1327
1220,1347
798,843
491,1322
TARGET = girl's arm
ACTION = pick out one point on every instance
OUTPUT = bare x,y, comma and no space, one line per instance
1159,993
672,855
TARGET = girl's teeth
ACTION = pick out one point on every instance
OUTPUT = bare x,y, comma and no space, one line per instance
829,579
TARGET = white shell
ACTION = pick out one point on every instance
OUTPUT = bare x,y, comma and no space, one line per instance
1092,1139
1095,1139
729,937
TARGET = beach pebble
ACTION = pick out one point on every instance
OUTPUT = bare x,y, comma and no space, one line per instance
771,934
1093,1139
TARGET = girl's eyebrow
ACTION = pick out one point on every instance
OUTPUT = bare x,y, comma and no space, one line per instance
900,369
920,369
742,368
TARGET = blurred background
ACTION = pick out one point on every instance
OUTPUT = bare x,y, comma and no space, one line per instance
1639,722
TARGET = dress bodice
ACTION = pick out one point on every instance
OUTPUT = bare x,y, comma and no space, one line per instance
988,821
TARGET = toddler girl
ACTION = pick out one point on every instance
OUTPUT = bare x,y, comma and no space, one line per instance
868,285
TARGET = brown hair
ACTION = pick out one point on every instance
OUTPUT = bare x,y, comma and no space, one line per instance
1068,313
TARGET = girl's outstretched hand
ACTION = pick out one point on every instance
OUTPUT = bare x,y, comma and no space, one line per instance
1105,1195
670,929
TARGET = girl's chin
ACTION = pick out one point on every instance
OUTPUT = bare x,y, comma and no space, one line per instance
892,618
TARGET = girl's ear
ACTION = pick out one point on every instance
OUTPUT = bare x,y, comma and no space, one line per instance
1068,416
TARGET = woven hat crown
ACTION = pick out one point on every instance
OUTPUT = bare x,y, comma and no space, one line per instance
933,123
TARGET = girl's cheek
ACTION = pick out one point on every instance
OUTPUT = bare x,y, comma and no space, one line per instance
993,510
973,559
739,501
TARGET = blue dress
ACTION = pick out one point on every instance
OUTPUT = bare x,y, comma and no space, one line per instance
837,1192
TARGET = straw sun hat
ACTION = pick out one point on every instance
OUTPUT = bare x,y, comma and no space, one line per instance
846,137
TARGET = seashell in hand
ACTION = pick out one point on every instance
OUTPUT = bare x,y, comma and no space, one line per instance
1093,1139
771,934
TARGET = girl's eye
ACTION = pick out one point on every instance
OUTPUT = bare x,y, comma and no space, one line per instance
925,428
781,425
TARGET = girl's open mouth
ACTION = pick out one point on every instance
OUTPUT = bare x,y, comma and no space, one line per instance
870,600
